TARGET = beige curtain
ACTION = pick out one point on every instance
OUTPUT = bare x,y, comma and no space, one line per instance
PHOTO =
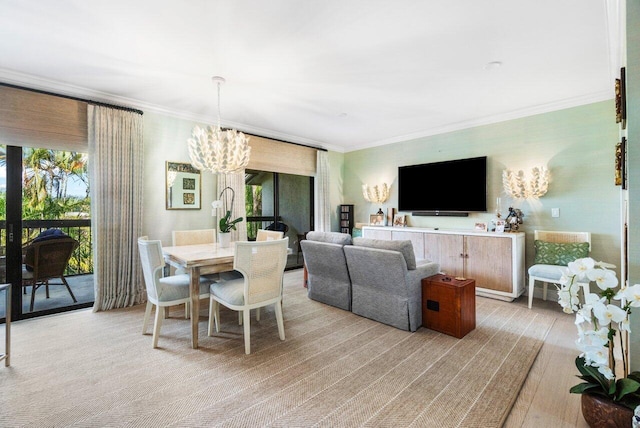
236,182
115,168
322,200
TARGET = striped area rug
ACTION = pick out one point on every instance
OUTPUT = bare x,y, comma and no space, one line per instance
334,369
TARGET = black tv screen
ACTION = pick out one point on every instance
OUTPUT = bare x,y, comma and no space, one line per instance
450,186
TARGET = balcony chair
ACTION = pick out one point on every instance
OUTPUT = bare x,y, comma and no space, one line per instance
262,266
163,291
553,252
46,260
279,226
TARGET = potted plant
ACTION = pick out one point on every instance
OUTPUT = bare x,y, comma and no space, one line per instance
601,323
226,225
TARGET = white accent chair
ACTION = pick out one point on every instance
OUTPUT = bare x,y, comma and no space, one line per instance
262,266
162,291
553,273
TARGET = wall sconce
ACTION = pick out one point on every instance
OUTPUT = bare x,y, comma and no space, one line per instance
519,187
379,195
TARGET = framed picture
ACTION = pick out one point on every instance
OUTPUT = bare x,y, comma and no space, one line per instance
182,186
500,226
399,220
376,220
621,100
481,227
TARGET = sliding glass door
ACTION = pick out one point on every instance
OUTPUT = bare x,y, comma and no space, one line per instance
282,202
43,189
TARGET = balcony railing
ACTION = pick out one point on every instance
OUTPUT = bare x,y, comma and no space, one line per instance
81,261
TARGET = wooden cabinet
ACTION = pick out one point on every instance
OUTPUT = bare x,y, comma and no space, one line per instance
449,305
346,219
494,260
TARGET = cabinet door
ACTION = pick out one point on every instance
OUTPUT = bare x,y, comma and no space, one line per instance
376,234
416,238
446,250
488,261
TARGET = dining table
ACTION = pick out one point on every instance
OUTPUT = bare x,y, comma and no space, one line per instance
193,258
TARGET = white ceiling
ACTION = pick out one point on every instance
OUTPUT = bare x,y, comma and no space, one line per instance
338,74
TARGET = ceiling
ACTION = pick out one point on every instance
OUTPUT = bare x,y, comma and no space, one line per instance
337,74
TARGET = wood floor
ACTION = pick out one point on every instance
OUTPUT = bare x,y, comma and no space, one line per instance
544,400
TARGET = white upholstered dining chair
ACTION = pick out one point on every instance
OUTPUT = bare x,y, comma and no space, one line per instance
162,291
261,264
553,252
268,235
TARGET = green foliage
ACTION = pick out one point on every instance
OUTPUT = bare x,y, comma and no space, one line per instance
226,225
624,391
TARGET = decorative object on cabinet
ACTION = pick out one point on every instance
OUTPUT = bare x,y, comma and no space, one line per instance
391,212
221,151
376,220
399,220
183,190
346,218
375,194
514,219
480,226
518,186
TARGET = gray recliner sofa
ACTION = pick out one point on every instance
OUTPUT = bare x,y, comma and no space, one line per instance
377,279
328,278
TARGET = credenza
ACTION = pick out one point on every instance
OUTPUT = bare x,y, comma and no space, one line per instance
494,260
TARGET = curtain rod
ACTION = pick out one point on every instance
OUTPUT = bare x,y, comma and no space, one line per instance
98,103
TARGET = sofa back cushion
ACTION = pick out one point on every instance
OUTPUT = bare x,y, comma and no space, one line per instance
330,237
404,247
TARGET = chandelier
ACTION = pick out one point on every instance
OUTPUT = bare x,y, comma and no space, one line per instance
518,187
375,194
221,151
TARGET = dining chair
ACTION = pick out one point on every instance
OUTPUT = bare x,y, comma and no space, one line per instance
262,266
45,261
163,291
268,235
554,250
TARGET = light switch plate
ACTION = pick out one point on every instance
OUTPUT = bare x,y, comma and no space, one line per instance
555,212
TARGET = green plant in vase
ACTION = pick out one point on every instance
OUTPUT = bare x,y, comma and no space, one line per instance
226,224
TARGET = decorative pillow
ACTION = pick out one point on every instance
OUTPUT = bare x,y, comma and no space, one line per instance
561,254
404,247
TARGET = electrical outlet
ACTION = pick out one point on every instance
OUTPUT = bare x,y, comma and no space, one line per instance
555,212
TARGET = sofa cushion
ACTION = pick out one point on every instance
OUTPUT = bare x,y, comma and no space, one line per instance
561,254
330,237
404,247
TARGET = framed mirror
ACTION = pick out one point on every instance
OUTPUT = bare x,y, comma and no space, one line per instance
183,189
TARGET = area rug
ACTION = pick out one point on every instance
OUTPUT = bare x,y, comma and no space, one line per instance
334,369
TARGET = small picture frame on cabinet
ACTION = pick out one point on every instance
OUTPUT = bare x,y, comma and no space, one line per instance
376,219
480,227
500,226
399,220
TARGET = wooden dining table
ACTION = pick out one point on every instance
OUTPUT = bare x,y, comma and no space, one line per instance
192,258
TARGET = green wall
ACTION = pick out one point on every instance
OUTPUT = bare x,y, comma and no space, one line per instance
576,144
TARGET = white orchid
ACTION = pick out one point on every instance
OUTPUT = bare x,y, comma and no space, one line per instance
607,313
604,278
631,295
580,267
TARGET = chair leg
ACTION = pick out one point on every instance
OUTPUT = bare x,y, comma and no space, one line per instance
531,285
211,316
186,310
157,325
147,314
240,317
247,331
216,307
280,320
46,288
64,281
544,290
33,296
257,314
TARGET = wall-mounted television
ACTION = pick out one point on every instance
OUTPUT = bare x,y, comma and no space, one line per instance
454,187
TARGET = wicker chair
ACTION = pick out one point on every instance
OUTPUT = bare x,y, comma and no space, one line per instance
262,265
47,260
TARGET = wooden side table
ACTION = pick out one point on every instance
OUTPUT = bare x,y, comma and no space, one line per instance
449,305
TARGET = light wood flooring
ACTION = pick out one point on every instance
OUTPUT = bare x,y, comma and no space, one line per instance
544,400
